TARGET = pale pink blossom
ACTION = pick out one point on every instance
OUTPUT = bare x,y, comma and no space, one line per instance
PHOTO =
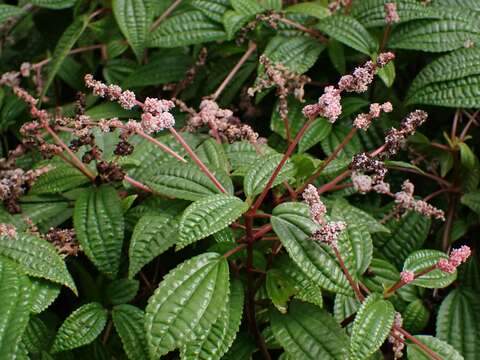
407,276
328,233
391,15
8,230
361,183
127,99
446,266
316,206
396,338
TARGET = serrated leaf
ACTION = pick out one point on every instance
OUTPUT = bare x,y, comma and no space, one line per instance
81,327
335,137
279,289
53,4
207,216
233,21
14,305
308,332
128,321
371,327
444,350
422,259
242,154
7,11
61,178
358,259
187,181
152,235
47,214
292,224
350,32
242,348
260,172
344,307
200,284
309,8
472,200
222,332
415,316
121,291
134,18
43,294
37,258
212,153
342,210
214,9
63,47
247,7
99,226
188,28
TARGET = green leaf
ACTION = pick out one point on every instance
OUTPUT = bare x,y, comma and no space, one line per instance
358,259
350,32
153,235
422,259
187,181
200,285
246,7
242,348
37,258
37,337
14,305
61,178
387,74
128,321
336,53
415,316
43,294
221,334
444,350
122,291
260,172
292,224
458,322
335,137
63,47
316,132
472,200
279,289
214,9
344,307
99,226
81,327
47,214
371,327
309,8
134,18
467,157
233,21
308,332
8,11
207,216
188,28
212,153
53,4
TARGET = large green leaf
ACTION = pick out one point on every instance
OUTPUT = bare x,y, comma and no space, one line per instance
128,321
47,214
260,172
309,8
280,288
153,234
315,133
371,327
292,224
63,47
221,334
242,154
81,327
187,181
7,11
207,216
121,291
15,305
134,18
61,178
187,28
99,225
214,9
308,332
188,301
37,258
458,322
350,32
213,154
422,259
336,136
444,350
360,243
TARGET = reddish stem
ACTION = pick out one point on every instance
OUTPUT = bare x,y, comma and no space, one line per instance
234,250
162,146
137,184
329,186
399,284
417,342
352,282
315,33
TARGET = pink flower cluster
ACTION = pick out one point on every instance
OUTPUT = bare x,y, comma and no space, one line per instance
156,116
126,98
396,338
407,276
391,15
363,120
395,138
405,200
8,230
316,206
457,257
328,233
329,105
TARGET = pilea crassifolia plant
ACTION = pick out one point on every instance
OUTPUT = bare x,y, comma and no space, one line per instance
238,179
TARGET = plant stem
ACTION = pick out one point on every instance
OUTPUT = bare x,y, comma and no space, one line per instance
165,14
234,250
162,146
352,282
137,184
74,51
425,174
399,284
421,345
328,186
315,33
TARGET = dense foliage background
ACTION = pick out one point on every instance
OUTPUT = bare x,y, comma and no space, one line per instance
128,241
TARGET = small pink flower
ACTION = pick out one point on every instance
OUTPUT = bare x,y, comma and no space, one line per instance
316,206
329,233
407,276
387,107
460,255
362,183
384,58
391,15
330,105
445,266
127,100
8,230
25,69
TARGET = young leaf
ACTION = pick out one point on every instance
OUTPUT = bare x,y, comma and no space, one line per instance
128,321
444,350
207,216
422,259
308,332
134,17
121,291
371,327
152,235
467,157
37,258
99,226
81,327
201,285
15,304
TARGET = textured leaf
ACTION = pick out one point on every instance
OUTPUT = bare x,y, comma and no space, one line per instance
212,153
152,235
128,321
415,316
458,322
467,4
63,47
200,285
467,157
242,348
309,8
444,350
46,214
361,249
207,216
234,21
279,289
344,307
335,137
81,327
371,327
222,332
350,32
188,28
7,11
308,332
14,305
292,224
422,259
247,7
121,291
214,9
187,181
134,18
57,180
37,337
318,131
54,4
37,258
43,294
472,200
99,226
260,172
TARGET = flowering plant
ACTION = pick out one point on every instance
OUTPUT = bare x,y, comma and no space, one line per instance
148,212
